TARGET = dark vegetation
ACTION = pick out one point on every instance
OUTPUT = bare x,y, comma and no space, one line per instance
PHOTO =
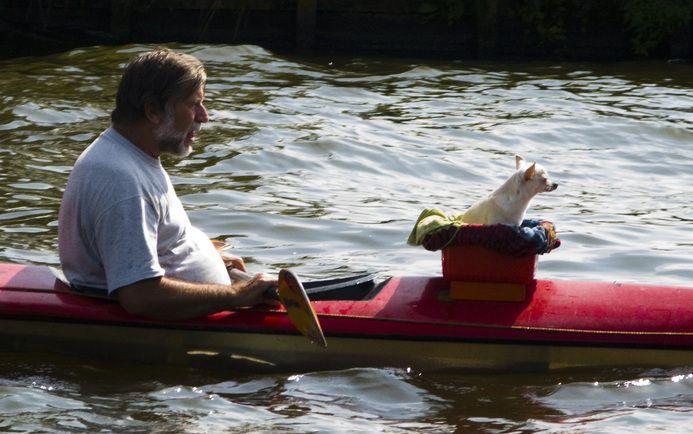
461,29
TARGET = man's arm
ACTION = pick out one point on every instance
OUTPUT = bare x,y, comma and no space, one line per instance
172,299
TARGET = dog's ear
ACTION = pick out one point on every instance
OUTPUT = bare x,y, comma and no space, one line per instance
529,173
519,162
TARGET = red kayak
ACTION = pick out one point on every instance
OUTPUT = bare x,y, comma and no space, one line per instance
424,323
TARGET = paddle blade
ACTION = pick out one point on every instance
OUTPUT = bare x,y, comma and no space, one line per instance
220,245
295,300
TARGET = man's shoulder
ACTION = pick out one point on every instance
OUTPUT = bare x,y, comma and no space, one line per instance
98,164
108,156
101,167
104,148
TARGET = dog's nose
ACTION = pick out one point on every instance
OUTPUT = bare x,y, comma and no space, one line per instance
552,186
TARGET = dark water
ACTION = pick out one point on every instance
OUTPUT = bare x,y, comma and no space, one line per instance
322,164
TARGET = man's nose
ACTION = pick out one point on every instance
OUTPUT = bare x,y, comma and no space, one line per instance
201,114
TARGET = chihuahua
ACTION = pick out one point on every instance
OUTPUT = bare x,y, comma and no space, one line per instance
509,202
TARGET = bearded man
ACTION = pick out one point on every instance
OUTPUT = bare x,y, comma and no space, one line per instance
122,228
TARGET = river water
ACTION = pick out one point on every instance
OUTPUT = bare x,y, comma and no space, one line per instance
322,164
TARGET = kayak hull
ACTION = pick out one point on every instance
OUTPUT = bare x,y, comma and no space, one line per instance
408,322
260,352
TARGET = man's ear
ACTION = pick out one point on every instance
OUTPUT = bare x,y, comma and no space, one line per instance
153,115
529,173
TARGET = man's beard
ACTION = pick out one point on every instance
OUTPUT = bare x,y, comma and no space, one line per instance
172,141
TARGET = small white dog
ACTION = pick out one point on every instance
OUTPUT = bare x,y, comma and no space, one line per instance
509,202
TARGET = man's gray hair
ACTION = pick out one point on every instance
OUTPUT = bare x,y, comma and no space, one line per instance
158,78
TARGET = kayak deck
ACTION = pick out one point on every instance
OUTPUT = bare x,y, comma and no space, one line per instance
402,321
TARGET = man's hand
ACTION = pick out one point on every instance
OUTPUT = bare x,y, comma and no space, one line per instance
256,290
232,261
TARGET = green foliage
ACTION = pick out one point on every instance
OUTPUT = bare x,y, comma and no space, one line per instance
649,22
547,18
451,9
653,21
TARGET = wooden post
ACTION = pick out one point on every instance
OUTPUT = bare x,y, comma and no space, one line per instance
305,23
120,19
680,42
486,27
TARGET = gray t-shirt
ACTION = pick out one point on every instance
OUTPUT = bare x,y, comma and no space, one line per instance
121,222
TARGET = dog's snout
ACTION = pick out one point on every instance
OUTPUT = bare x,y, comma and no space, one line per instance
552,186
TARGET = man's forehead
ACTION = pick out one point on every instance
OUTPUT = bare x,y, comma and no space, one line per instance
198,94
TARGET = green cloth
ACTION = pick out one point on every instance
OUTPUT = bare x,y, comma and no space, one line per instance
431,220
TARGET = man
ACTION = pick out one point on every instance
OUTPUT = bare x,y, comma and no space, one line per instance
121,226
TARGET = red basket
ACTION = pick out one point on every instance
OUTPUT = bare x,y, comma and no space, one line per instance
472,263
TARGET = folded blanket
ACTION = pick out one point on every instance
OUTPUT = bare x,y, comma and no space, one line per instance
435,230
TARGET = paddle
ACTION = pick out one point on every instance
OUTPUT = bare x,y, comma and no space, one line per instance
293,296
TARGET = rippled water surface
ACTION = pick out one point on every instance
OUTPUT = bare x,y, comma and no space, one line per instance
323,164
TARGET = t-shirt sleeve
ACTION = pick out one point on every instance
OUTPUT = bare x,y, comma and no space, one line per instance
126,238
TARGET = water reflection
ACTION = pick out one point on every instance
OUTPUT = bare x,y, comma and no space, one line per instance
324,162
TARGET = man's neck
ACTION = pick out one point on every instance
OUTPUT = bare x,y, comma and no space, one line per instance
139,135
